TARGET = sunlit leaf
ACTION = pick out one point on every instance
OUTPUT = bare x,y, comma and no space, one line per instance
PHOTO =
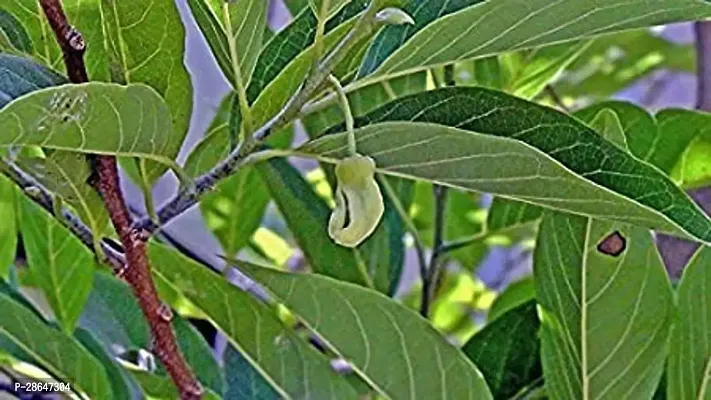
148,47
8,230
373,333
607,308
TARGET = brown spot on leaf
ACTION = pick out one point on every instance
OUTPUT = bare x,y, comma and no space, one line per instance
613,244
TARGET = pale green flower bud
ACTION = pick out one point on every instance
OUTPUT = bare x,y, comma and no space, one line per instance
394,16
359,203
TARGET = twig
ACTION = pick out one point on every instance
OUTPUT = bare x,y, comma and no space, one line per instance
550,91
137,273
429,280
187,197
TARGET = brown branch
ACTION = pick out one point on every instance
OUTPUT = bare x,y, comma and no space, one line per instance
137,272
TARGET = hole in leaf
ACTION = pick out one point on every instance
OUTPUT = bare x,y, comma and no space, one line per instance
613,244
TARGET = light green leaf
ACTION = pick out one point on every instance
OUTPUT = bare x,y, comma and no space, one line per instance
253,328
234,35
84,15
373,333
66,174
59,263
506,214
307,216
520,24
8,230
13,35
515,294
507,351
607,123
547,159
543,65
689,365
607,309
58,353
148,47
93,117
333,6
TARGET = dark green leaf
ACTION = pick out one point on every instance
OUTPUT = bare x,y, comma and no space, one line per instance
527,148
12,34
507,351
689,364
59,354
607,308
307,216
243,381
505,214
373,333
159,387
122,384
114,317
515,294
19,76
253,328
59,263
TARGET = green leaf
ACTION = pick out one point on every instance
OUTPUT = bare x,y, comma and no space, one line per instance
13,35
55,351
236,38
392,37
547,159
607,123
373,333
84,15
521,24
674,140
307,215
506,214
93,117
333,6
243,381
59,263
122,384
507,351
515,294
114,316
607,308
689,365
235,209
295,6
19,76
157,387
281,65
66,174
543,65
8,230
148,47
253,328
